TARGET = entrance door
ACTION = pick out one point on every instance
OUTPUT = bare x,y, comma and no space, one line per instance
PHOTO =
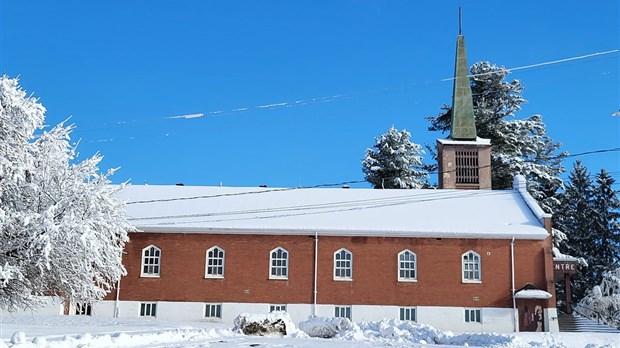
531,315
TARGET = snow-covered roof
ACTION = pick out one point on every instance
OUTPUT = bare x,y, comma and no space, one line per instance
533,294
329,211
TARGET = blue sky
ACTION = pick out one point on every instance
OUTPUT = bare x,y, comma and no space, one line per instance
348,71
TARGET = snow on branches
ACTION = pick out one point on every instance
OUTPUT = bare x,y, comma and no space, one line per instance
603,301
520,146
394,162
62,231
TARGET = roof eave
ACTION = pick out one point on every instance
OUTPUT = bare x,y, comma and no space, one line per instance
345,233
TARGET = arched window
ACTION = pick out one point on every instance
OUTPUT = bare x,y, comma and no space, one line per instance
278,262
471,267
151,261
343,265
215,263
407,266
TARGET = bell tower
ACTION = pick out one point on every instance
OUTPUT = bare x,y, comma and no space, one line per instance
464,160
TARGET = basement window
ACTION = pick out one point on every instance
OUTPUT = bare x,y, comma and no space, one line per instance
343,312
473,316
213,310
277,308
148,309
408,314
82,308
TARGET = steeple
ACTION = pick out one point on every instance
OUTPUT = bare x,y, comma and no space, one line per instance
464,160
463,123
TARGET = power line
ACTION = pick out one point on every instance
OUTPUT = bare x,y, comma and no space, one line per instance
334,98
560,157
346,95
332,207
246,192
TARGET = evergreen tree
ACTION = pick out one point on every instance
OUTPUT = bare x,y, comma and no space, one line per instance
606,227
394,162
575,217
519,146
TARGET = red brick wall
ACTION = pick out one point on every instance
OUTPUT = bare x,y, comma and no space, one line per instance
246,275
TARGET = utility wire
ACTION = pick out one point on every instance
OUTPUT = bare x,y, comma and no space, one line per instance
424,196
337,97
323,208
560,156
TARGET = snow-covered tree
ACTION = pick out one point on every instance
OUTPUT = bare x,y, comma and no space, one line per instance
520,146
394,162
606,225
575,216
62,231
603,301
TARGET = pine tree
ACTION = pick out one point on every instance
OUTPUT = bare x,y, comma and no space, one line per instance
394,162
62,231
606,227
520,146
575,217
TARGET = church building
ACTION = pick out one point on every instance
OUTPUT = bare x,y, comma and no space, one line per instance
461,257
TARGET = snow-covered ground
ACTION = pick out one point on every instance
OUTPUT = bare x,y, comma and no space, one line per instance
82,331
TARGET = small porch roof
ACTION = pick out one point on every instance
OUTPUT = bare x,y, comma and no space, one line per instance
531,292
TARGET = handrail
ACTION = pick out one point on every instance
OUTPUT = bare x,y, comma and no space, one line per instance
601,318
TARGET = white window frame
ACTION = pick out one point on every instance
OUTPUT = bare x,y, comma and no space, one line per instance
274,267
213,310
339,268
213,260
148,309
343,312
277,308
156,264
408,314
402,269
466,267
473,315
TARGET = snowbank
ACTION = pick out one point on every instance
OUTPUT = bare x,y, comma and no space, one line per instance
61,332
325,327
390,332
406,332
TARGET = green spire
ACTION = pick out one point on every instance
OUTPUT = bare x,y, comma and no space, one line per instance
463,125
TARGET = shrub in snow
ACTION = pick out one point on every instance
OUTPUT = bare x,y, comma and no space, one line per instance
325,327
275,323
